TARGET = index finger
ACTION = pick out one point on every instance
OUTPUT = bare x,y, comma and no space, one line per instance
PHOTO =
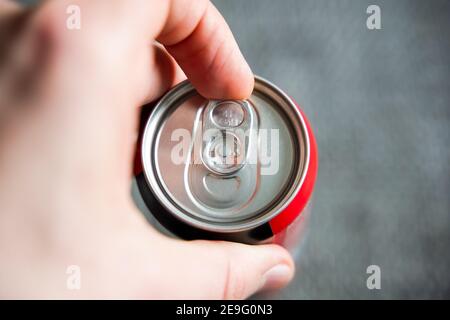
201,42
193,32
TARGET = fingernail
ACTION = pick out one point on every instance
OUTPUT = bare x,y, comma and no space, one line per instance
277,277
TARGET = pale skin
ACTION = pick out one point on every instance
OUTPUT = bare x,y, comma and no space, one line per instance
69,105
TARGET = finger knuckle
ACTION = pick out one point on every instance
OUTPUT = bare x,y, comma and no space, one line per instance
49,23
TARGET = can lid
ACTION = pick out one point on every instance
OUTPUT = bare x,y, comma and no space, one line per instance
225,165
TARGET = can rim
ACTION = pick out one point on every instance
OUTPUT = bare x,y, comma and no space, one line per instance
152,175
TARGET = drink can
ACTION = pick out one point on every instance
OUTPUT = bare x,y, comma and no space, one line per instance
234,170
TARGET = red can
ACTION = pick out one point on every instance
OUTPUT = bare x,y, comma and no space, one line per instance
236,170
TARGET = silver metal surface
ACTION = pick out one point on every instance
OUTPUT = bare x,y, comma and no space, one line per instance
252,192
228,113
225,145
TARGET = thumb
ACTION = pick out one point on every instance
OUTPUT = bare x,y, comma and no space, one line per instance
226,270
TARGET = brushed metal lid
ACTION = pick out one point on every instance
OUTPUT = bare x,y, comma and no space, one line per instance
225,165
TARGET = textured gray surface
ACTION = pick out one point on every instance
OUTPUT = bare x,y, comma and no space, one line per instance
379,102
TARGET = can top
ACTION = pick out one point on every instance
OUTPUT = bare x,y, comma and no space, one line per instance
225,165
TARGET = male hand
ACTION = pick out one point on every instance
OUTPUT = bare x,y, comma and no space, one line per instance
69,103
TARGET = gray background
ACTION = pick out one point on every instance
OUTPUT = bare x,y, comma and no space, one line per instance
379,102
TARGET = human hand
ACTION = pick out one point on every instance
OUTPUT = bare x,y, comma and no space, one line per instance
69,102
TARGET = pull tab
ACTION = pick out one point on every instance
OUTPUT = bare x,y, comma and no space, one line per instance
227,176
225,145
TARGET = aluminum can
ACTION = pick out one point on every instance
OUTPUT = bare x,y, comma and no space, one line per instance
234,170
